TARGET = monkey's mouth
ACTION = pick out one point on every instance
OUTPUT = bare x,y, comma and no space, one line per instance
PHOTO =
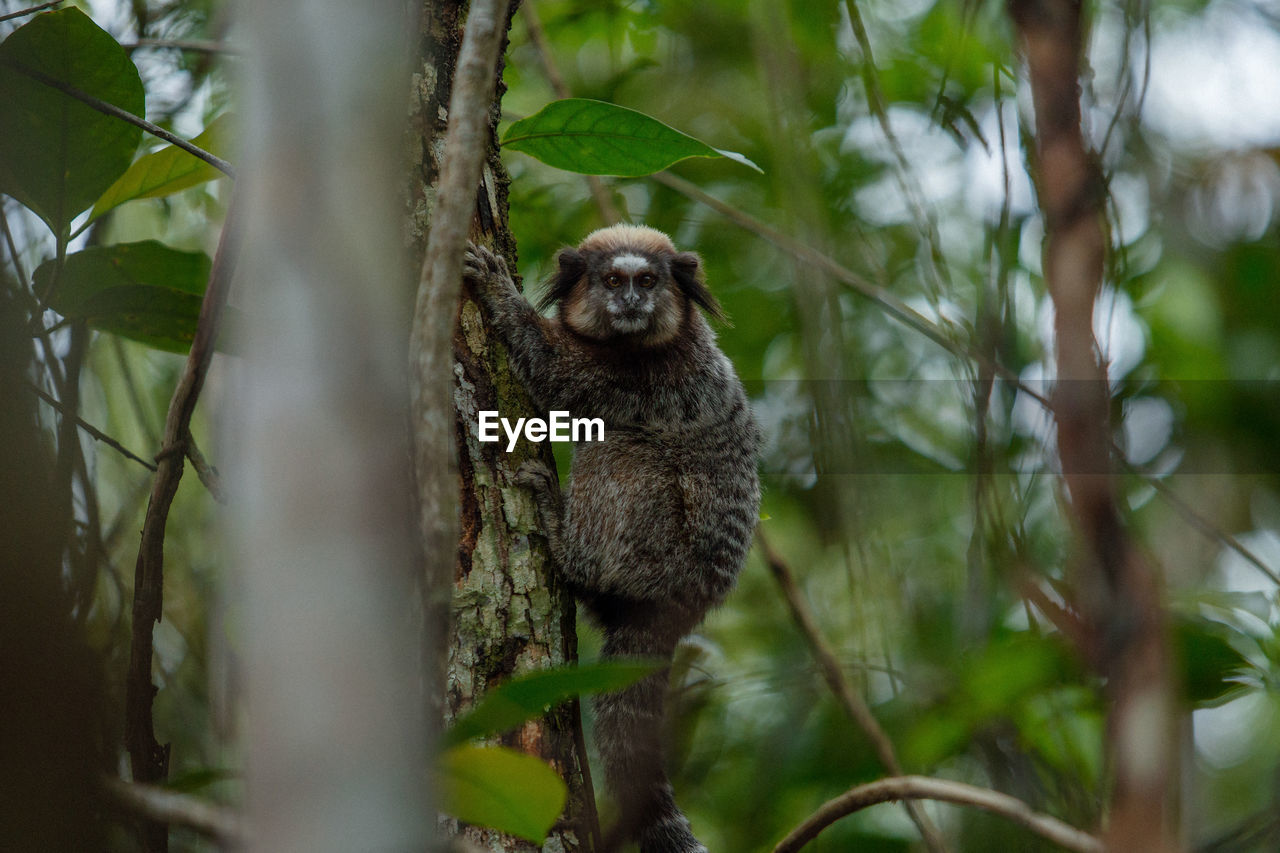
627,319
630,321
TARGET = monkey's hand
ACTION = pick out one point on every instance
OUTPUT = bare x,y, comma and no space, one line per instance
489,276
534,359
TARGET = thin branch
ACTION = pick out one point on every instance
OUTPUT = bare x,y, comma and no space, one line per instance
14,258
148,758
70,458
924,222
191,45
899,310
538,37
892,305
1207,527
440,284
925,788
50,361
170,807
89,428
854,705
31,10
208,474
114,111
86,561
140,413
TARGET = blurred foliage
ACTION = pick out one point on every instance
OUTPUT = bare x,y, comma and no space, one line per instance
916,507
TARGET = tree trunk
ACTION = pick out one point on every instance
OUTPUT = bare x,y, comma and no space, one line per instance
334,740
1117,592
507,615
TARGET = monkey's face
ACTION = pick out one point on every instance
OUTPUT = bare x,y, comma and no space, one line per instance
632,289
628,283
625,294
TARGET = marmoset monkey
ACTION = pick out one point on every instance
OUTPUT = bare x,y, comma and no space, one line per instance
659,514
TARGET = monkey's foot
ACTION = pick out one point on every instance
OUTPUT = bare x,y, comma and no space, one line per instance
541,479
538,477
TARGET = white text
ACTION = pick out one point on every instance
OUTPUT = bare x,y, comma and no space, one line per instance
559,428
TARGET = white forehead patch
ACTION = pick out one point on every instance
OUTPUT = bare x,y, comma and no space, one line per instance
630,264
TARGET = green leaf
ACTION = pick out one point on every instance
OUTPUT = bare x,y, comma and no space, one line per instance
529,696
503,789
199,779
1211,665
596,138
57,154
934,738
145,291
1009,671
168,170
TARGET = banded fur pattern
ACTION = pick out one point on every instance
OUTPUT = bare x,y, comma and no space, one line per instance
659,516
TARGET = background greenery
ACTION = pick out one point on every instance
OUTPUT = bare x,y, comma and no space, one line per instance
915,508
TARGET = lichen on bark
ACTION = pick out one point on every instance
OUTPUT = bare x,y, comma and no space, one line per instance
506,614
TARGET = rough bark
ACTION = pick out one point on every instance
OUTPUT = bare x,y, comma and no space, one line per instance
1117,592
507,615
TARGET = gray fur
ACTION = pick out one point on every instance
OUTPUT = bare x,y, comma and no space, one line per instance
660,515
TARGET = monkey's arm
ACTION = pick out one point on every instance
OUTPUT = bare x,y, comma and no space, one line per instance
535,359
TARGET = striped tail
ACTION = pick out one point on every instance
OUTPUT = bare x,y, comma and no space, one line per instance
629,731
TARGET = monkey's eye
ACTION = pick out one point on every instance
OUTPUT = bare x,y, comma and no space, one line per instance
646,280
612,280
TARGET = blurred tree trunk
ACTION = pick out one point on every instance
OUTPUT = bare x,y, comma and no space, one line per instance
506,614
52,700
334,740
1116,591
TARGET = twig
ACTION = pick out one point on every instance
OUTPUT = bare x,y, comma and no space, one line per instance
926,788
902,312
924,222
148,758
50,361
538,37
1206,527
31,10
114,111
175,809
854,705
70,459
13,249
208,474
440,284
192,45
892,305
140,413
93,431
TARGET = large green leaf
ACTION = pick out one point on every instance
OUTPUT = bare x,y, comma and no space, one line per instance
145,291
168,170
57,154
508,705
503,789
1212,668
596,138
